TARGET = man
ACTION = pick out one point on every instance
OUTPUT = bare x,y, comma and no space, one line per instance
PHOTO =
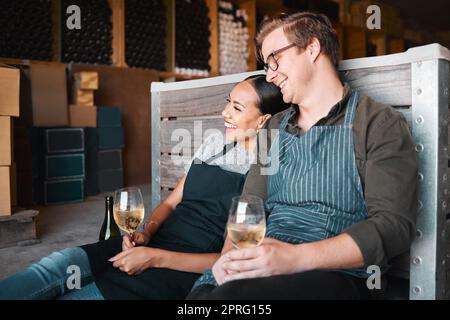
345,194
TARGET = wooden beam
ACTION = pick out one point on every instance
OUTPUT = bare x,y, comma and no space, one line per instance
56,30
250,8
118,32
213,15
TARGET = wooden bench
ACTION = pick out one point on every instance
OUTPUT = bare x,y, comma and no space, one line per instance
416,82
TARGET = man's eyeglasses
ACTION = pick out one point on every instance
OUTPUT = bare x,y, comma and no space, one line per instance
272,63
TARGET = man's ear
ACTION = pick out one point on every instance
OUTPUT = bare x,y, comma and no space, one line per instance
313,49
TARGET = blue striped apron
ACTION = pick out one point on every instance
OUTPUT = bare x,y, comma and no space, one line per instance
316,192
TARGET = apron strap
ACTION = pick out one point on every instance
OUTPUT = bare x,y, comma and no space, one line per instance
225,150
351,109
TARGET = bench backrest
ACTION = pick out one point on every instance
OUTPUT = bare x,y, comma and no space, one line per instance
416,82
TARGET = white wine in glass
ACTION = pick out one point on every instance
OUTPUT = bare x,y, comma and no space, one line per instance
128,209
246,225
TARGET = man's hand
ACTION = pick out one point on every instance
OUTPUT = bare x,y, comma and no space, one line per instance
139,239
218,271
272,257
136,260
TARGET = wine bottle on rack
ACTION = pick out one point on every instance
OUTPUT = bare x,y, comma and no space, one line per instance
109,227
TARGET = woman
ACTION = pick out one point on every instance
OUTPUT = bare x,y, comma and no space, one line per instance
184,236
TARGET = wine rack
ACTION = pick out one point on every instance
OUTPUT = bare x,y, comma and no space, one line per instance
179,38
233,38
192,37
145,34
26,29
93,42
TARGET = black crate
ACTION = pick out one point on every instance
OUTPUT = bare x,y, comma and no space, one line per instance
64,140
110,180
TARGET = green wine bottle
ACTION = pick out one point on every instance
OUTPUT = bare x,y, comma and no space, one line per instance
109,227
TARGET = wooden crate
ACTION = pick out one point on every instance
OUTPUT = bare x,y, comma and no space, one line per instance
18,229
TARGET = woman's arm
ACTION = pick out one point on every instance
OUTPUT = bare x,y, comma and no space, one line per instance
165,208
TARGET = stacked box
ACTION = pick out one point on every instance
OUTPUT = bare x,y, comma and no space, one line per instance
9,107
104,169
83,112
63,172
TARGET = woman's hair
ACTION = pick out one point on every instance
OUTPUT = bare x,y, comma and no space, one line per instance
270,96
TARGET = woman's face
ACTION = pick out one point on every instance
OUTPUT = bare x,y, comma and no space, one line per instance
241,113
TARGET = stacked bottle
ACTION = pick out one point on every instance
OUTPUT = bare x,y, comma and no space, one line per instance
26,29
192,37
93,42
145,34
233,38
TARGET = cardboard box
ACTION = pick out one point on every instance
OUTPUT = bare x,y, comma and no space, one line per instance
83,116
83,97
5,141
5,191
49,95
13,184
86,80
9,91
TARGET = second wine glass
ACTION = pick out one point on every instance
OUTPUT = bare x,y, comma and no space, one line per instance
246,225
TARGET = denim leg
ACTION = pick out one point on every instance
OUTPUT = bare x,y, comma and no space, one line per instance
47,279
88,292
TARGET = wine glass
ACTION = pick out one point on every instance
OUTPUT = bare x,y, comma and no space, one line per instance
246,225
128,209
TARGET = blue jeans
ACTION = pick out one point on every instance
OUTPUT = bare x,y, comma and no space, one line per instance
64,274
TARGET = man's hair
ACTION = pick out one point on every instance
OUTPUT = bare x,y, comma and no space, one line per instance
300,28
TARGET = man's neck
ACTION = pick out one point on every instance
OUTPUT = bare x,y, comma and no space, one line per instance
323,93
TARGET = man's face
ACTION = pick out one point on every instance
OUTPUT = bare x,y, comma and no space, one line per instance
294,68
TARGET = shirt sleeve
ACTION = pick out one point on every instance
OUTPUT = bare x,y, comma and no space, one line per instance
391,189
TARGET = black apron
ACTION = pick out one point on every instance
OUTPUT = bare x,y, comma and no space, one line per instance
197,225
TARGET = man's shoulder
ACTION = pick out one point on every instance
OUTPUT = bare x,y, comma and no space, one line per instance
275,121
375,114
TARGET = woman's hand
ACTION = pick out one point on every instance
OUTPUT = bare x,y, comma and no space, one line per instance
137,259
139,239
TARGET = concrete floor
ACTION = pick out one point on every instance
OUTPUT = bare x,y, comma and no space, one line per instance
59,227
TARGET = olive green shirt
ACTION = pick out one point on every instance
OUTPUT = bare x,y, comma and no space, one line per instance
387,165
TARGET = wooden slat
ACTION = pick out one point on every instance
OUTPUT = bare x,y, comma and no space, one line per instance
194,102
390,85
201,124
172,169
